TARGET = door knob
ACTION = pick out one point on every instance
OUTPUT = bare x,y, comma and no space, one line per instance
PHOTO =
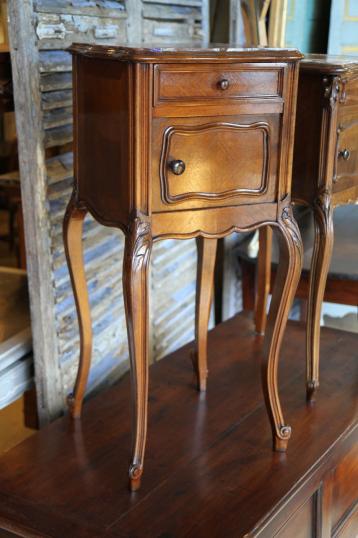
224,84
177,167
345,154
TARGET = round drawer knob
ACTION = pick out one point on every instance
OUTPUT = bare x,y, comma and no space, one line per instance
345,154
223,84
177,167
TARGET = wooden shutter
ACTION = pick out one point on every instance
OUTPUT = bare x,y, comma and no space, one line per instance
40,32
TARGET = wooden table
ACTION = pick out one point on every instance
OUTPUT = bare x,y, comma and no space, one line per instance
325,174
182,143
210,472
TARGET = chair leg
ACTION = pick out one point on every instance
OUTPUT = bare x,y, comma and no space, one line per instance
263,278
288,274
204,291
321,257
137,251
72,234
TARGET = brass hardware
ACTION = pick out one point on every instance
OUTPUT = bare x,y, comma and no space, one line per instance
177,167
345,154
223,84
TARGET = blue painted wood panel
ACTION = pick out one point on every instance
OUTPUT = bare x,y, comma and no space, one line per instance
307,25
343,32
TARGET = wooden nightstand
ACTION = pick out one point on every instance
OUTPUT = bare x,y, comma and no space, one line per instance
182,143
325,174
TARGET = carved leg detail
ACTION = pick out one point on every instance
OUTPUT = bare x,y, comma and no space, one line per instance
321,257
288,274
138,246
204,291
72,235
263,278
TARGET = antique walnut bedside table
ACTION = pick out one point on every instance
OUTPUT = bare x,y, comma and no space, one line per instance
182,143
325,175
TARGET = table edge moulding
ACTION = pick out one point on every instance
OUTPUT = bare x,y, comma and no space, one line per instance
122,120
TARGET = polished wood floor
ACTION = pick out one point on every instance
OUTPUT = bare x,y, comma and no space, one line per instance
209,467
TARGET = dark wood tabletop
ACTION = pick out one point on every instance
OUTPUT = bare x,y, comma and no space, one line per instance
158,52
329,63
210,469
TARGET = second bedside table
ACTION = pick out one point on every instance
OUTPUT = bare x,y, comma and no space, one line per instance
325,174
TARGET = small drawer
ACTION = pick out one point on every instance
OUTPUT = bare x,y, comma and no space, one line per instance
346,160
214,163
195,83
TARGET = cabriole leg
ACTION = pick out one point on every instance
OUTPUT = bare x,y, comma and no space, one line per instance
138,246
72,234
288,274
204,292
321,257
263,278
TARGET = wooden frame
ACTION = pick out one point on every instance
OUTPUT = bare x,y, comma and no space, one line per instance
24,57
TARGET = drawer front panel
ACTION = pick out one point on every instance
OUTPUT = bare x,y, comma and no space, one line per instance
214,163
216,82
346,165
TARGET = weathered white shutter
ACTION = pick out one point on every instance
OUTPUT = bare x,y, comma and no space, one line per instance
54,25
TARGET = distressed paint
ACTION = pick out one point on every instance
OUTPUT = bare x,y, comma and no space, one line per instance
343,30
16,380
60,31
25,68
56,24
307,25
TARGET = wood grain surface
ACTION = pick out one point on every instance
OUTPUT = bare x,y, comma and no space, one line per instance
210,470
206,175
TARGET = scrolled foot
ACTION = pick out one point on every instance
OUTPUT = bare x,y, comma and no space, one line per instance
312,387
281,440
135,475
201,378
70,401
74,410
202,385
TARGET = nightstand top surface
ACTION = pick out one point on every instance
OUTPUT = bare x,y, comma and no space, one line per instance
329,63
158,53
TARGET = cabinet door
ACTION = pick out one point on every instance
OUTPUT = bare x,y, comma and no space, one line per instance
214,162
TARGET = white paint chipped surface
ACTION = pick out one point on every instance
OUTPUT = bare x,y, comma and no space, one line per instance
57,24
